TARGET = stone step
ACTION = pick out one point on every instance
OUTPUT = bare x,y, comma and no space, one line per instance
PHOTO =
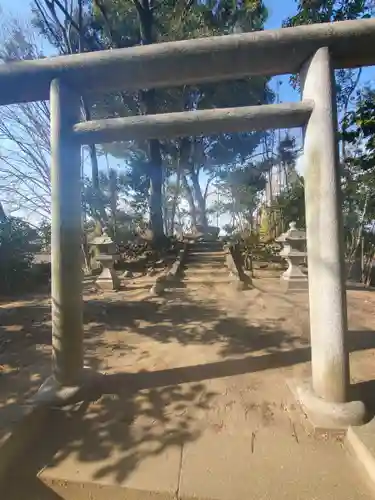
207,277
205,257
208,281
205,265
206,249
206,270
360,441
215,465
208,242
214,262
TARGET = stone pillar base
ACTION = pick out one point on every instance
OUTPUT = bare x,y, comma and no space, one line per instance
294,284
51,393
108,280
324,416
159,286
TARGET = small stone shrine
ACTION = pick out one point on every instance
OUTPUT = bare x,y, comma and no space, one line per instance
294,252
108,279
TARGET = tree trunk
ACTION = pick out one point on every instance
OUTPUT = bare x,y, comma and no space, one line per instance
92,150
175,197
99,209
3,216
357,240
190,200
113,190
201,213
368,274
148,99
166,218
156,197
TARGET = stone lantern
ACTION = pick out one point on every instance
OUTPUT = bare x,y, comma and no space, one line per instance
108,279
294,252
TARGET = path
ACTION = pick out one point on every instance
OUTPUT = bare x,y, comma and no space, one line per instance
196,403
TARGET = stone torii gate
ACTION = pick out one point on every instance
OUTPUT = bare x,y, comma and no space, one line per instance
312,51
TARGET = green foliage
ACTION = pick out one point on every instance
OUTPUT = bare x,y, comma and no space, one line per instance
325,11
265,252
106,24
287,153
328,11
121,203
17,247
244,185
44,233
252,248
291,204
359,132
358,175
175,20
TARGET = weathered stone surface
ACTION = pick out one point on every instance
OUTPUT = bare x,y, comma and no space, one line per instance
327,294
234,264
273,52
20,425
66,237
108,279
127,274
360,440
159,286
326,416
294,252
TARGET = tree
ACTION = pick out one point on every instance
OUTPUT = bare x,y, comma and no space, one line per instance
126,23
319,11
202,19
44,234
286,158
17,247
291,204
24,133
240,189
326,11
64,26
358,179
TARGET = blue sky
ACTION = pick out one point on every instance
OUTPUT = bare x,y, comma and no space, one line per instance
278,11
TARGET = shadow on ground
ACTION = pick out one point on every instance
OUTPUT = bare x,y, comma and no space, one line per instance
25,338
123,428
139,415
188,322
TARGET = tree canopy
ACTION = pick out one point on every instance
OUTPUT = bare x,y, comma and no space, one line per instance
163,181
126,23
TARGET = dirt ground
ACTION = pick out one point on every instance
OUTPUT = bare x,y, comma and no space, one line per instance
195,379
132,332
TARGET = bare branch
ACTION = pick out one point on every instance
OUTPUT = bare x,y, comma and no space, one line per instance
24,137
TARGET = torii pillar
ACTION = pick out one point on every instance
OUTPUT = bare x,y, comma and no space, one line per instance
69,380
325,398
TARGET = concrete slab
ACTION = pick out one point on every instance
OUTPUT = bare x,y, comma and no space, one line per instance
20,425
361,443
324,417
154,475
198,379
231,438
267,465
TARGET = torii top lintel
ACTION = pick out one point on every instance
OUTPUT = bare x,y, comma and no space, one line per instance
268,53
